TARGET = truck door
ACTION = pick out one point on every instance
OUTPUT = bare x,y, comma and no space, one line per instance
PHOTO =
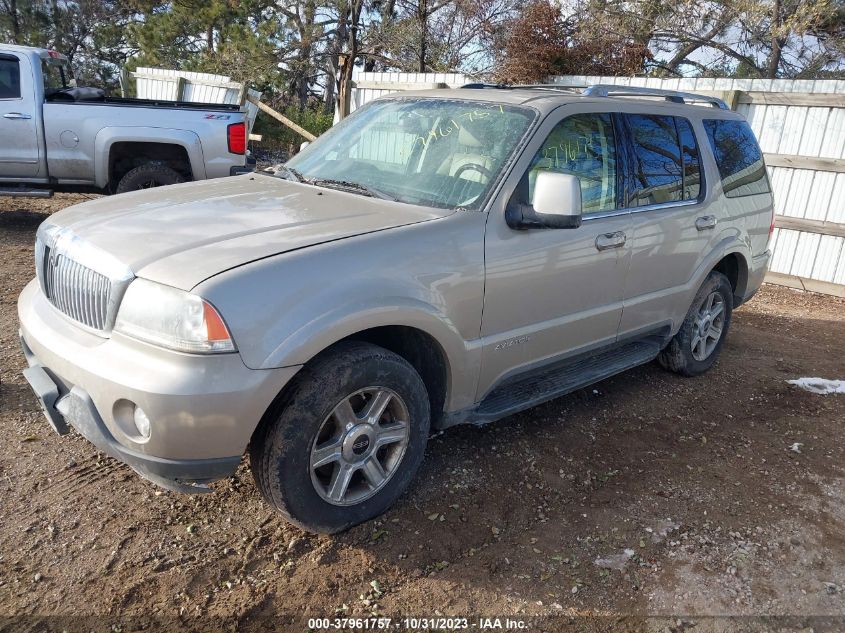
20,146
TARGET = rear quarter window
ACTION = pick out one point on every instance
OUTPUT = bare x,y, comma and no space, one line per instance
738,157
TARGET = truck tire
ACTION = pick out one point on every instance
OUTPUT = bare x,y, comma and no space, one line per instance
694,349
345,440
147,176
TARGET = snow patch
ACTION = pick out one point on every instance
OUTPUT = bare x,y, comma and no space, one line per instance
820,386
615,561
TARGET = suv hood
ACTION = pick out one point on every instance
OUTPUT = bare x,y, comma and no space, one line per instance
183,234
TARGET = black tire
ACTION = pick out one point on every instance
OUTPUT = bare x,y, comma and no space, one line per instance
678,356
147,176
280,452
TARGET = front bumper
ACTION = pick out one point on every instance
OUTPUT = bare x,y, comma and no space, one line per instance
203,409
76,407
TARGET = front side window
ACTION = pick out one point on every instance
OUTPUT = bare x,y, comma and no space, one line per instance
10,78
738,157
657,164
432,152
583,145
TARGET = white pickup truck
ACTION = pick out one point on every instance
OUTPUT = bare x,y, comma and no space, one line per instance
55,136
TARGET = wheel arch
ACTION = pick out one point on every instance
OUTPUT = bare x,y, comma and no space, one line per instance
422,351
181,147
734,266
417,345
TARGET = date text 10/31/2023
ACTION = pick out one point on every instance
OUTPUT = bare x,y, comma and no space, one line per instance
417,624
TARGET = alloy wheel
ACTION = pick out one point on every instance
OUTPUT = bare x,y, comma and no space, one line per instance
359,446
708,326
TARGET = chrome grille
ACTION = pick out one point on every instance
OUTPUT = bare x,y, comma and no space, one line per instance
81,281
79,292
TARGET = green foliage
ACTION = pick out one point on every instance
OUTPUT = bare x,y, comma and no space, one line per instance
29,25
277,136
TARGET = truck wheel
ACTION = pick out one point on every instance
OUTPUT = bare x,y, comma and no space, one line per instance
694,349
147,176
345,440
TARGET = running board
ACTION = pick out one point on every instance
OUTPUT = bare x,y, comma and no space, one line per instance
21,192
535,387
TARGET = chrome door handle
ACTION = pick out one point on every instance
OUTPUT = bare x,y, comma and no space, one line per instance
610,240
705,222
16,115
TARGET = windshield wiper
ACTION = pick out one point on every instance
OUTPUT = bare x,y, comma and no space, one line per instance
351,186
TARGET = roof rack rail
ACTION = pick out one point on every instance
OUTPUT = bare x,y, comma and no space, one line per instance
612,90
481,86
555,87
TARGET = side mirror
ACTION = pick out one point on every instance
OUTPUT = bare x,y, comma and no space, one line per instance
303,145
557,204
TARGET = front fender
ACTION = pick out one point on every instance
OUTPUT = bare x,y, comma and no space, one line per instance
462,358
284,310
299,346
108,136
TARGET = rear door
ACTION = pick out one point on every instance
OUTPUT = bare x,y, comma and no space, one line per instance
19,139
671,226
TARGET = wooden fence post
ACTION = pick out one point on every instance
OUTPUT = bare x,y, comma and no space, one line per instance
281,118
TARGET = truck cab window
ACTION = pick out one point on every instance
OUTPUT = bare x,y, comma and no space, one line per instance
10,78
55,76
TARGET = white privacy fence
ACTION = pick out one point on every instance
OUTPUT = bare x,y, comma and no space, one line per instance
180,85
369,86
800,125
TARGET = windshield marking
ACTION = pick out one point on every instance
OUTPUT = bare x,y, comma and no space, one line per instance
471,115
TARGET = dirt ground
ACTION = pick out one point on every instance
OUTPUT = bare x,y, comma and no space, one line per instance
649,494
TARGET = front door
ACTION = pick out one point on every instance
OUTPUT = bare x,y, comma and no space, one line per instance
550,293
19,141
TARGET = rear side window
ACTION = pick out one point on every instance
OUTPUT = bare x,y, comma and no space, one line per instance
691,159
10,78
738,157
666,163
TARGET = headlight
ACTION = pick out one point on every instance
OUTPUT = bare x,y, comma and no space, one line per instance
172,318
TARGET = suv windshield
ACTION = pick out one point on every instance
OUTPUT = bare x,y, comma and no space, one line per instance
433,152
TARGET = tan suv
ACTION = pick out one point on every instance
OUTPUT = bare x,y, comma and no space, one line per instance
437,258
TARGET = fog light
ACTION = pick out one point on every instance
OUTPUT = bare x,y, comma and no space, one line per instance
142,423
